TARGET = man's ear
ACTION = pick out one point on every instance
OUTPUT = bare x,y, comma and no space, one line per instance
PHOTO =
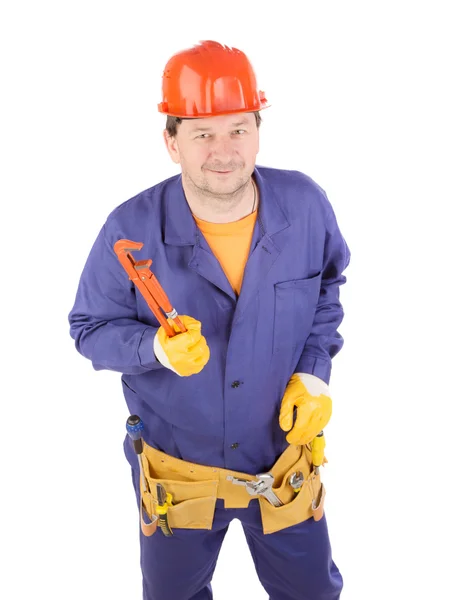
172,146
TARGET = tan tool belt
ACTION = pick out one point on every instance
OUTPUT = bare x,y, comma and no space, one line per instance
195,489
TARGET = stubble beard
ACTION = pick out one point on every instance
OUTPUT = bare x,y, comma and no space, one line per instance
211,195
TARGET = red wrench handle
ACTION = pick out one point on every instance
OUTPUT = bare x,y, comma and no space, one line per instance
148,285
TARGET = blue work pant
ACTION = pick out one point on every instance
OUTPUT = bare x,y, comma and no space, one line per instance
292,564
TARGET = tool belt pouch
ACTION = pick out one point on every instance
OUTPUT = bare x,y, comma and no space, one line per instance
297,506
193,502
148,525
195,489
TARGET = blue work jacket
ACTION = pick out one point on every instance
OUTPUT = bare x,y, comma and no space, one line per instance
285,319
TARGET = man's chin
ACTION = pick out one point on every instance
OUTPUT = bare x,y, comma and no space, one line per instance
224,183
218,184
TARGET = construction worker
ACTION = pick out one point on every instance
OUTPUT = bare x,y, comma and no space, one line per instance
253,259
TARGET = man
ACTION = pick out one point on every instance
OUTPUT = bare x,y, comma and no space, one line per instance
252,258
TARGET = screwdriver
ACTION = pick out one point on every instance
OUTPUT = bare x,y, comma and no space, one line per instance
318,446
135,428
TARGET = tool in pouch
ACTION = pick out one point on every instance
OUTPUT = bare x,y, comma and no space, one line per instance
317,449
296,480
318,459
164,500
264,483
135,428
148,285
260,487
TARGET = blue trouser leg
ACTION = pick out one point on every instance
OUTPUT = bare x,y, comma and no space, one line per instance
180,567
294,563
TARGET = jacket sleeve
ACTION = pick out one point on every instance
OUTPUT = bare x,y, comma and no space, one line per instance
324,341
104,321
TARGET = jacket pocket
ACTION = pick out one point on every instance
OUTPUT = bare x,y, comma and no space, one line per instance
295,307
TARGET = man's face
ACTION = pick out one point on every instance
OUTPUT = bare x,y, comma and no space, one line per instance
217,154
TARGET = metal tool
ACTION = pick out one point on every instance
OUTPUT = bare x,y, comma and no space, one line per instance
317,451
316,501
135,428
296,481
148,285
164,500
260,487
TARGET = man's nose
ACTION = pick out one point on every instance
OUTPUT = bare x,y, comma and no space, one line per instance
221,148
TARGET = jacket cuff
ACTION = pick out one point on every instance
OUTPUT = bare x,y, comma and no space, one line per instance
146,354
315,366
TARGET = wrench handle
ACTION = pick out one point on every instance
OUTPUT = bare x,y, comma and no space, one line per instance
148,285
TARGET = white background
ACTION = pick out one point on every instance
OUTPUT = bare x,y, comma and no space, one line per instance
363,100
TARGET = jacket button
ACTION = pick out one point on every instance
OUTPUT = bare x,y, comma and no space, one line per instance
235,384
234,446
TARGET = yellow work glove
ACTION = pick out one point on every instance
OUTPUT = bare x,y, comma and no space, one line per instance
185,353
310,396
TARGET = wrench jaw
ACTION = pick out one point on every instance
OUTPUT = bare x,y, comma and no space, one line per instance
296,481
267,481
267,478
260,487
250,486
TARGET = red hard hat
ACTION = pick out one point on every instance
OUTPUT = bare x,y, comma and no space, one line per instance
210,79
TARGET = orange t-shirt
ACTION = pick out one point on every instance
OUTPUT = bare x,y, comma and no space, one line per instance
230,243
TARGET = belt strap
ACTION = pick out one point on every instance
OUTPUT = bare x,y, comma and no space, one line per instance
167,467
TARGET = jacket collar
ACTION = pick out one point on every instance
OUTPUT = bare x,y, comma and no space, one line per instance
180,226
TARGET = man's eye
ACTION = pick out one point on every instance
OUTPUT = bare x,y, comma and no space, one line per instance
240,131
202,135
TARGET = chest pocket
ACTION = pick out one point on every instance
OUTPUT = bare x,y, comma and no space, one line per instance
295,307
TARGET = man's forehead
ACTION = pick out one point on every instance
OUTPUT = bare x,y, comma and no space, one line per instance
207,123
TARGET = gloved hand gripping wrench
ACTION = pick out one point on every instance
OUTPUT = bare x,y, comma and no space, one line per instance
261,487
